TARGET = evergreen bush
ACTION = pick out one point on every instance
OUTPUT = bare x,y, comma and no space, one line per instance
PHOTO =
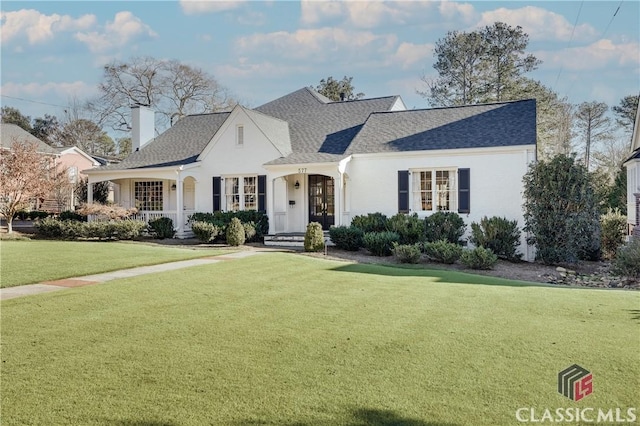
407,253
373,222
443,251
162,227
627,260
205,231
613,226
478,258
235,232
314,237
499,234
347,237
410,228
380,243
560,211
444,226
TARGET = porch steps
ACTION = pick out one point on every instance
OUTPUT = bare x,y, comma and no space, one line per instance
291,239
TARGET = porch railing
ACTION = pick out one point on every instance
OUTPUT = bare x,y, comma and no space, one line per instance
147,216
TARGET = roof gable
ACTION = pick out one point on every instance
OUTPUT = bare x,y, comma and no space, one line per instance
180,144
12,133
474,126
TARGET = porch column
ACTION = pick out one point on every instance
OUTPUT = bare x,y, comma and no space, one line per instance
89,192
338,199
271,205
636,227
179,206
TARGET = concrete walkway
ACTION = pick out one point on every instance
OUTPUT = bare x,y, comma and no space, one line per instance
49,286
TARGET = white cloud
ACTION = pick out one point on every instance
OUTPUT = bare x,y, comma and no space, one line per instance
539,23
195,7
408,54
318,44
38,27
121,31
64,90
601,54
371,14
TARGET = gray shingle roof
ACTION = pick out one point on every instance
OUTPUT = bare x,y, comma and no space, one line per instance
12,133
318,125
474,126
180,144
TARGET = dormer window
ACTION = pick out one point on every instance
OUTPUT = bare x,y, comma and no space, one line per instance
240,135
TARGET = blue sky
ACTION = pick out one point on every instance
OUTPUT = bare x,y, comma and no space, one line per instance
53,51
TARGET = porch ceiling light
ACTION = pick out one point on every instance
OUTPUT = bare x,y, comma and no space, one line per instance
297,185
173,187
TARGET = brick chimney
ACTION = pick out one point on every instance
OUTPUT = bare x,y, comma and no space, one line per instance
143,126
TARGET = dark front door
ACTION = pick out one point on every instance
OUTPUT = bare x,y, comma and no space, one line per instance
321,200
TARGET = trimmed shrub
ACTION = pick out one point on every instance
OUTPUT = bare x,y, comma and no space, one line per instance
49,228
627,260
347,237
103,230
478,258
407,253
35,214
222,220
613,225
235,232
21,215
443,251
380,243
249,231
373,222
69,215
205,231
444,226
499,234
314,237
410,228
162,227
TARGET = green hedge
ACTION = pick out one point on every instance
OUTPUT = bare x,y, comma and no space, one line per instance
221,220
380,243
443,251
348,238
72,229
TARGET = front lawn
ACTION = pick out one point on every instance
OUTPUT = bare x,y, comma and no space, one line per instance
32,261
287,339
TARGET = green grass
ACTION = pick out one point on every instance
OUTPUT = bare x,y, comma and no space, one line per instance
32,261
286,339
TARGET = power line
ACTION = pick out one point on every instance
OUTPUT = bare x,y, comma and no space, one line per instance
575,24
35,102
611,20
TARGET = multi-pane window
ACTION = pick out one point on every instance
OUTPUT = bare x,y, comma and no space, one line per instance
241,193
434,190
232,192
148,195
250,193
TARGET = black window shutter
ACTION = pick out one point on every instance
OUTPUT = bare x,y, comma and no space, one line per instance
403,191
464,190
262,193
216,193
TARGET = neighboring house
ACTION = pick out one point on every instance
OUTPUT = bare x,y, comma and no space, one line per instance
11,134
74,160
304,158
633,179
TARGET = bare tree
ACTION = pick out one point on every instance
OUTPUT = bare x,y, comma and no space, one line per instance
593,126
25,175
171,88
